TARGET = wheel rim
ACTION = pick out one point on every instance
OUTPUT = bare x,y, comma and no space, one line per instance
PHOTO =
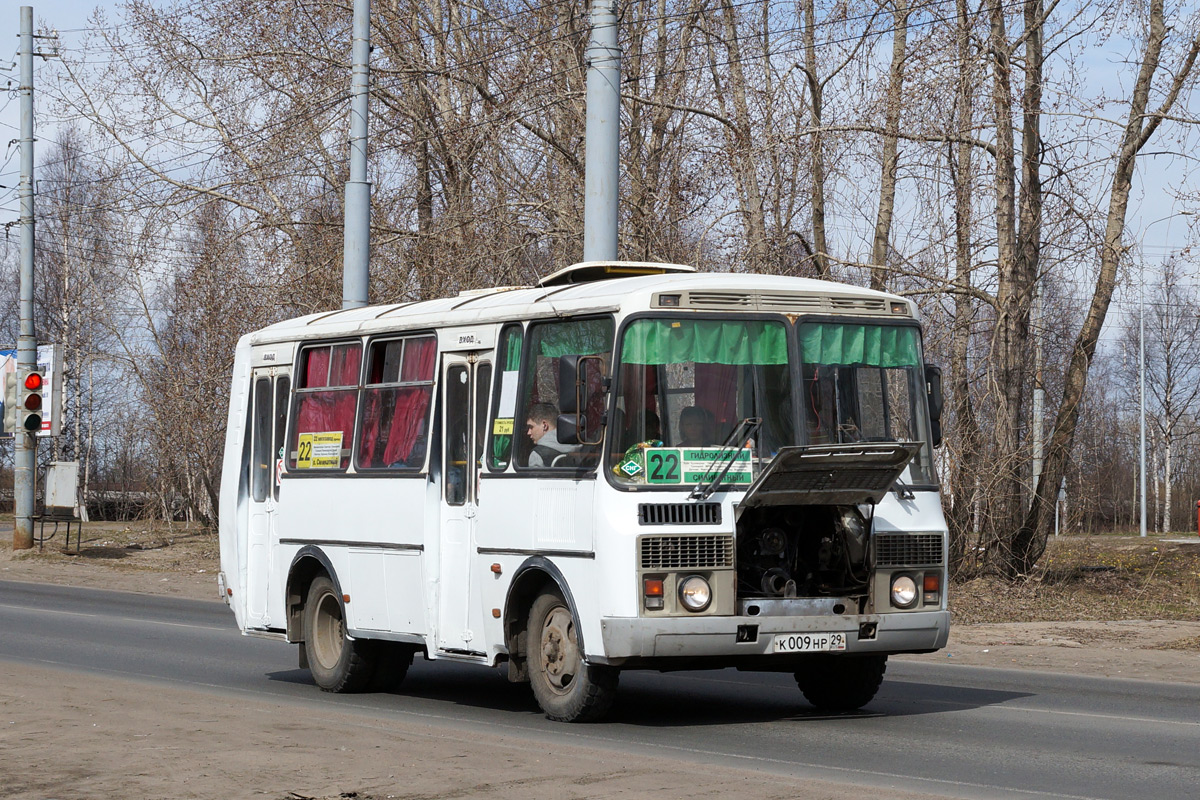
559,652
328,631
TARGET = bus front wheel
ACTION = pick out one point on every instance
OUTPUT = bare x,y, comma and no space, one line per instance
566,687
337,662
841,683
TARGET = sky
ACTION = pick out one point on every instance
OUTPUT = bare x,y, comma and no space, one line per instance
67,16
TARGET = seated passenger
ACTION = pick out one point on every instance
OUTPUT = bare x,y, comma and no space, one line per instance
541,428
696,427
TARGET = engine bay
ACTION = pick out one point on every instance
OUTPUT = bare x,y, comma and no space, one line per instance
803,551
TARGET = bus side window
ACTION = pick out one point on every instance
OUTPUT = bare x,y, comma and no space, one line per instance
536,435
283,386
326,397
393,427
263,460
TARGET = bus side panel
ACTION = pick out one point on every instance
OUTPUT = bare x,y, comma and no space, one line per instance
536,514
522,517
345,516
235,484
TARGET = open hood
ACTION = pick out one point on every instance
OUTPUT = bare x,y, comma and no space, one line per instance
830,474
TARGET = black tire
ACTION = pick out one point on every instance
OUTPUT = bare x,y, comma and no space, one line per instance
841,683
566,687
337,662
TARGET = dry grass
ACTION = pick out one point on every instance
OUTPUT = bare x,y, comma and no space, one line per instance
1091,578
129,546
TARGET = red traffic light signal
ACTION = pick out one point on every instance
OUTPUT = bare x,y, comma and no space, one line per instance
31,402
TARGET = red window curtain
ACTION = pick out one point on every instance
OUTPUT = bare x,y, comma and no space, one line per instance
368,431
392,429
419,357
716,391
347,358
408,423
316,372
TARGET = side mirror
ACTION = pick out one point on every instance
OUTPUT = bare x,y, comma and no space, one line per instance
575,374
568,429
568,384
933,389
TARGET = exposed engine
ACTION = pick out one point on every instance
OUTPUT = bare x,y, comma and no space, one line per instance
802,551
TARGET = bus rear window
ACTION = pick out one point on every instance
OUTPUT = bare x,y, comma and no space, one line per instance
326,393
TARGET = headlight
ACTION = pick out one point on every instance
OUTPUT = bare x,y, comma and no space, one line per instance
904,591
695,593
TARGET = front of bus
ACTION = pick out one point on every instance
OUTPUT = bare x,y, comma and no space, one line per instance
781,468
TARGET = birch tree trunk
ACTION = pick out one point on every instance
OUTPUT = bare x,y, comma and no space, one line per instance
816,91
746,166
1007,375
890,160
964,472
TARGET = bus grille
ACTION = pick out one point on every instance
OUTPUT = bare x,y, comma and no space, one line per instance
908,550
686,552
679,514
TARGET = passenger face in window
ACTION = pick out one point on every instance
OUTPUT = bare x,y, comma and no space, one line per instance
536,429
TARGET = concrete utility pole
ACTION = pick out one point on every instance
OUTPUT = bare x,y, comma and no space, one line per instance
602,156
356,252
25,450
1142,399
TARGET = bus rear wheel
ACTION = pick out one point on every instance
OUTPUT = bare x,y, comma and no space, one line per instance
337,662
841,683
567,688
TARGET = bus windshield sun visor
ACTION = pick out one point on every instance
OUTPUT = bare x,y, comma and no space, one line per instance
835,474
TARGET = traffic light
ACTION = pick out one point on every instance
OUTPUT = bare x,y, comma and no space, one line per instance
29,411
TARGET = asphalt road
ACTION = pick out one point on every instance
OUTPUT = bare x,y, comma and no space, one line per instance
954,730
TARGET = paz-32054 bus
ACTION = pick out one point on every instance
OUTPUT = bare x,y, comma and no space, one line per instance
628,466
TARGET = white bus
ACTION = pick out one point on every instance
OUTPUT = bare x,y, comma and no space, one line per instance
627,466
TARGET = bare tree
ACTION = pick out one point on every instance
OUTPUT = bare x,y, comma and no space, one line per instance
1141,124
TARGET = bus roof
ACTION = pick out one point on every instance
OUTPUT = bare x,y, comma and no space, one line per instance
701,291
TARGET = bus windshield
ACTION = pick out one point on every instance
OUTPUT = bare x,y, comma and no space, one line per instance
865,383
684,385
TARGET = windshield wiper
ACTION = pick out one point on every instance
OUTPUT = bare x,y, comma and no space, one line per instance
740,436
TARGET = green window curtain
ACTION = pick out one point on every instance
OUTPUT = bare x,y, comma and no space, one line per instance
510,360
871,345
667,341
583,337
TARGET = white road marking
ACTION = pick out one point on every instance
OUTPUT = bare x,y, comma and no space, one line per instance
139,620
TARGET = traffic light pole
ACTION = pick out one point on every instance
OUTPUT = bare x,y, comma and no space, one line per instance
25,449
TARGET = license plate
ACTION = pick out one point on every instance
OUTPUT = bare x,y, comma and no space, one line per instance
809,642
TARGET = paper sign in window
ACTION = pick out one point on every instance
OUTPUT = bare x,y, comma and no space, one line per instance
319,450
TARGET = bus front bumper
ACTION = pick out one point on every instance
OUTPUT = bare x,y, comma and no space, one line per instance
690,637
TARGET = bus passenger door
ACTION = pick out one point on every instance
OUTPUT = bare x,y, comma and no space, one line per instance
465,378
269,418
